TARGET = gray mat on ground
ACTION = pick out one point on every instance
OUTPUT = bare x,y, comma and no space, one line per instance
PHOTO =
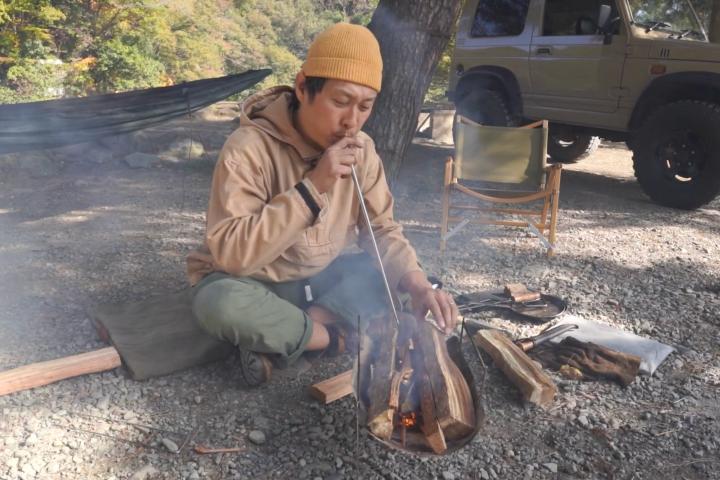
158,336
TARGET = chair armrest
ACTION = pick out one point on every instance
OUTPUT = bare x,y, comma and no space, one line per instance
554,166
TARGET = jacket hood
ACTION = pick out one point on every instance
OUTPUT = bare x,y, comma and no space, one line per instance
269,110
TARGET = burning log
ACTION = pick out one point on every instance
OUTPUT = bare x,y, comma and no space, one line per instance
431,427
420,396
453,400
380,418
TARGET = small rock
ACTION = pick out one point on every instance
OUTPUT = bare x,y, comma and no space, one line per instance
646,416
36,164
21,454
261,421
698,466
27,468
103,403
12,462
448,476
685,351
198,399
100,155
257,437
571,469
186,149
551,466
129,415
145,472
194,475
141,160
328,419
53,467
140,142
698,454
170,445
582,419
537,364
31,440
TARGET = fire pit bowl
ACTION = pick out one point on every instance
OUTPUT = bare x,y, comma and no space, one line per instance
415,441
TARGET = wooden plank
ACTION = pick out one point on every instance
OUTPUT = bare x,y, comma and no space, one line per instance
451,393
333,388
45,373
535,386
380,414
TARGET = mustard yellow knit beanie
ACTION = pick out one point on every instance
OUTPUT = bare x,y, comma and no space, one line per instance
346,52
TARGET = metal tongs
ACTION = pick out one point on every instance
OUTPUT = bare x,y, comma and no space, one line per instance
374,242
469,307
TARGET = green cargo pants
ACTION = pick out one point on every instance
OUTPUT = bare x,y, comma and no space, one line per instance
271,318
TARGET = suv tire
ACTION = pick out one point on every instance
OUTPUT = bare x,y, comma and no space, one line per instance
676,155
486,107
580,147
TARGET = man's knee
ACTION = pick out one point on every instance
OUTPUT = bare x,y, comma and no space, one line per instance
230,305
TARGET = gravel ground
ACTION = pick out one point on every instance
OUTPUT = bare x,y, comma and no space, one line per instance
105,233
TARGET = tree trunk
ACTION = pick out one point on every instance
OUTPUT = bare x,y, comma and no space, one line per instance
714,32
412,36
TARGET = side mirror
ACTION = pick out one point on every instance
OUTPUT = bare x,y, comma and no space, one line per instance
585,26
603,20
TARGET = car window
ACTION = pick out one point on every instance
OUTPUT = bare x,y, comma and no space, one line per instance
499,18
575,17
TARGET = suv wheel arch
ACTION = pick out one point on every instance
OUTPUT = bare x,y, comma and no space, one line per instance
498,79
672,88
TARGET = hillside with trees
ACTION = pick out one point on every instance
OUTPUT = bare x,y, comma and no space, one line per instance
52,48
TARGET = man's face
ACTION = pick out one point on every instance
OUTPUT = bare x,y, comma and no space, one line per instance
339,110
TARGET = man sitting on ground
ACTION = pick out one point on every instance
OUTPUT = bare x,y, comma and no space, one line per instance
269,277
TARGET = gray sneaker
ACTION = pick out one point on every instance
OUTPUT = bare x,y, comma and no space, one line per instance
256,367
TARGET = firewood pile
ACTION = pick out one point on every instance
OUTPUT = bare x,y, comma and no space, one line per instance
418,397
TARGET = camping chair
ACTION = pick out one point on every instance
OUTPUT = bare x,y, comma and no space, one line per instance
503,155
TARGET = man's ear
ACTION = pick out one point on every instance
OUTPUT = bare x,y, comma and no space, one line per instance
301,87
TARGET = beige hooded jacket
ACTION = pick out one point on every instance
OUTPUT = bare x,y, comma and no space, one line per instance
258,224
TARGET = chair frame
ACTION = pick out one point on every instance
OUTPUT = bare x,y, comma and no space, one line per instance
549,191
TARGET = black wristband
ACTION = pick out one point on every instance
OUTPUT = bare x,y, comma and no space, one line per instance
309,200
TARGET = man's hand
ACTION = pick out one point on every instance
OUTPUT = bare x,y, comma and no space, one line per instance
424,298
335,164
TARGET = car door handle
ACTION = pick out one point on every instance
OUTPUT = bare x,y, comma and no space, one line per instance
543,50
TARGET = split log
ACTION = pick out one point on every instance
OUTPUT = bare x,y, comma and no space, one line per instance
380,415
45,373
535,386
430,426
333,388
453,401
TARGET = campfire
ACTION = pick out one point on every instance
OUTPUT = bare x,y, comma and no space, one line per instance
418,397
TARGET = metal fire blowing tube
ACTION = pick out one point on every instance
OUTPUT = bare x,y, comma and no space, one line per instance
372,236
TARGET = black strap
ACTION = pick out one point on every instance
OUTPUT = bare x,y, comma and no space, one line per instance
309,200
